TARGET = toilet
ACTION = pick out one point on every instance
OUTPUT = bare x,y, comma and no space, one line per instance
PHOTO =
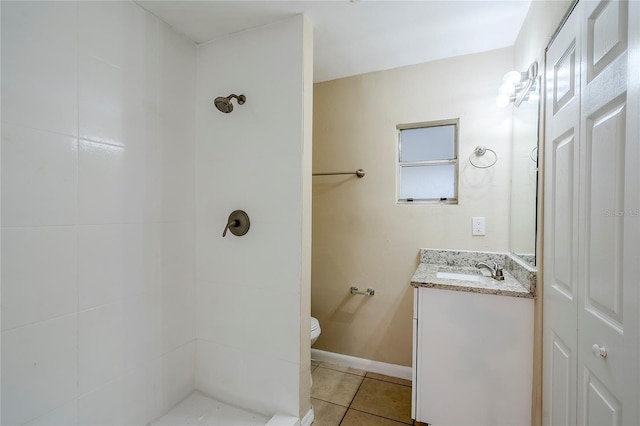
315,333
315,330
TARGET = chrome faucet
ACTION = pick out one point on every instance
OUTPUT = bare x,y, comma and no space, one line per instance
496,271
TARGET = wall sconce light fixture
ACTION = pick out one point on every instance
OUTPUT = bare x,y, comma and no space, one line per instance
516,86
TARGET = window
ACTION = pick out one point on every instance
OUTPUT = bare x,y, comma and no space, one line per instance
428,162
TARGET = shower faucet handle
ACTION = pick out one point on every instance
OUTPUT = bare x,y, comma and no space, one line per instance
238,223
231,224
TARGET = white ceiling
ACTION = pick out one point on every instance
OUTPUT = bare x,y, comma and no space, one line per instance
361,36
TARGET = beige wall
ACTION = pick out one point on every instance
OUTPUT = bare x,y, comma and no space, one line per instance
360,236
541,22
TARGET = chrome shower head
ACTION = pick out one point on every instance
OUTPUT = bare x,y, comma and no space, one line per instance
224,104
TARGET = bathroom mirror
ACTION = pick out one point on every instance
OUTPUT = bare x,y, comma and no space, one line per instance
524,176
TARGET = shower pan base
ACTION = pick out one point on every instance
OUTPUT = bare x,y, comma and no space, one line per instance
198,409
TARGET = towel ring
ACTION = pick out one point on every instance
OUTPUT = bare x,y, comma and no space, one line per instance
534,159
479,152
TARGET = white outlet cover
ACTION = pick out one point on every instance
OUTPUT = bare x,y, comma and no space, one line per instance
478,226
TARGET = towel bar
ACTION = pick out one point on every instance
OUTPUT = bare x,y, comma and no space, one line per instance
359,173
369,292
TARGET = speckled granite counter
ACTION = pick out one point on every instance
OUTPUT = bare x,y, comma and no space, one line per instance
427,276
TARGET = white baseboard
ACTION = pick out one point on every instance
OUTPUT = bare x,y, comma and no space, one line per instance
392,370
283,420
308,418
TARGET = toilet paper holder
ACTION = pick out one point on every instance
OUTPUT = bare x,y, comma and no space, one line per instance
368,292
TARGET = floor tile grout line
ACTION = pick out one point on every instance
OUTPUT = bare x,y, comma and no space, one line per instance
366,412
357,390
329,402
378,415
388,381
366,375
342,371
363,377
352,399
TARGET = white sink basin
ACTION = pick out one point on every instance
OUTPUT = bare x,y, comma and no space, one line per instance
458,276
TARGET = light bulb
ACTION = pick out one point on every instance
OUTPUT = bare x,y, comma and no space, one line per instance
503,100
512,77
507,89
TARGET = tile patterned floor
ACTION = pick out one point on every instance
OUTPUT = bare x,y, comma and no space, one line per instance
350,397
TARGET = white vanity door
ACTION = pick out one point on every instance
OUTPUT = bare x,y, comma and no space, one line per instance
474,357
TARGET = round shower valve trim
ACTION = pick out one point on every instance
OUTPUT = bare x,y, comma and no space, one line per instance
238,223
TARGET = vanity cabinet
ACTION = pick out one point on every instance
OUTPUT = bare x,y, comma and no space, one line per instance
472,358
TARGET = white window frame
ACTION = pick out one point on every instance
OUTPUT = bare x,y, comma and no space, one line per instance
408,201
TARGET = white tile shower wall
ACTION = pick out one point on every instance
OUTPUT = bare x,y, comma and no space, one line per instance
39,65
0,221
39,368
66,415
47,291
247,378
98,214
40,171
249,288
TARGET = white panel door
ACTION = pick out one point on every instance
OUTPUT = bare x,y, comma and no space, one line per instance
592,219
609,264
561,226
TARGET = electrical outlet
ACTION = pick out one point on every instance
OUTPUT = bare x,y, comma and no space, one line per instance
478,226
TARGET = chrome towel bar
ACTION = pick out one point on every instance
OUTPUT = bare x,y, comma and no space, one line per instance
369,292
359,173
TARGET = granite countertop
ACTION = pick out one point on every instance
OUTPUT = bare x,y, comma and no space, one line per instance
426,276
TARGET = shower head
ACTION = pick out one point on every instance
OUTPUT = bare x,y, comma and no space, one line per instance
224,104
